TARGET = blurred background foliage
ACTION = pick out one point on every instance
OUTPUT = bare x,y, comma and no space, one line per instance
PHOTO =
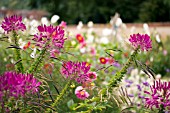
98,11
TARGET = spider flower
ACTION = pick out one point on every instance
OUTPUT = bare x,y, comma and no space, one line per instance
13,23
142,41
17,84
159,95
54,36
76,70
81,93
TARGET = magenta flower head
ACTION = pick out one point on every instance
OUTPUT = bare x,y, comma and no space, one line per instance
159,95
13,23
76,70
141,41
81,93
54,36
17,84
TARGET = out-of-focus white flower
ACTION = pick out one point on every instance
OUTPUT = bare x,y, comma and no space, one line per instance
34,23
146,28
157,38
124,26
134,72
33,54
1,30
83,50
73,43
104,40
151,59
80,25
54,19
90,24
90,31
106,32
33,30
12,61
21,43
158,76
132,30
90,38
118,22
44,20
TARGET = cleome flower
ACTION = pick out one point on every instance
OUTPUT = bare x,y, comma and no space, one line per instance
159,95
142,41
14,84
76,70
54,36
79,71
81,93
13,23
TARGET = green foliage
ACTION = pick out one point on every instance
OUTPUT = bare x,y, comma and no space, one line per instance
98,11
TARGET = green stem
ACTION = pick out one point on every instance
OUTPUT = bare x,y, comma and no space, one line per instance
19,65
119,75
59,97
35,64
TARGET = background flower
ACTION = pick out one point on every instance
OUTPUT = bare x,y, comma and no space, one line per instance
13,23
142,41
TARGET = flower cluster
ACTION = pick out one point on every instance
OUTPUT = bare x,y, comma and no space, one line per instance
159,95
13,23
79,71
17,84
81,93
76,70
142,41
54,36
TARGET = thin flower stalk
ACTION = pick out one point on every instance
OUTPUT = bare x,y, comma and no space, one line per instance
38,61
59,97
119,75
19,65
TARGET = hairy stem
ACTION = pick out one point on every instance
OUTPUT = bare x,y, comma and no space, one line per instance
119,75
19,65
59,97
37,62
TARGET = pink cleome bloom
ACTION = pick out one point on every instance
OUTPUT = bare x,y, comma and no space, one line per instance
159,95
13,23
76,70
53,35
63,24
142,41
17,84
81,93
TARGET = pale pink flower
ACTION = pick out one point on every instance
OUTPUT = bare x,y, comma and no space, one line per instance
81,93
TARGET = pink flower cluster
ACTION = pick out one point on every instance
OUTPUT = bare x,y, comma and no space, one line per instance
81,93
17,84
13,23
159,95
79,71
142,41
52,35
